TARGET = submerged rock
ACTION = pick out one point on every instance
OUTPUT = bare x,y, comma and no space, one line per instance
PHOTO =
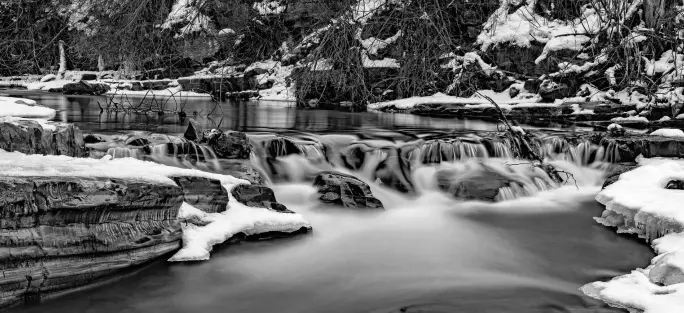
345,190
59,234
484,186
30,137
259,197
230,144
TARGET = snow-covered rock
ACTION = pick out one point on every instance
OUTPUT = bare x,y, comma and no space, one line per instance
647,202
668,132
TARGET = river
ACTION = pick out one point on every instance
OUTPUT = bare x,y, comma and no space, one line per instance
425,253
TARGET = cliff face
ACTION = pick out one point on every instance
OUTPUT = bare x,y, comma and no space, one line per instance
61,233
29,136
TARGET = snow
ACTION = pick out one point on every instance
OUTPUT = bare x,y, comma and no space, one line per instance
19,107
630,119
185,12
374,45
23,165
238,218
639,203
440,98
383,63
668,132
269,7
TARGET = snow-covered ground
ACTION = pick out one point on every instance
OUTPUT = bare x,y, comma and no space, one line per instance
18,107
197,240
640,203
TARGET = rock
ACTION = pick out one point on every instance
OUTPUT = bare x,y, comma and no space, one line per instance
345,190
92,138
230,144
550,91
242,170
675,184
87,76
205,194
48,78
627,148
665,271
85,88
615,130
258,197
59,234
483,186
614,172
513,92
137,141
27,136
194,132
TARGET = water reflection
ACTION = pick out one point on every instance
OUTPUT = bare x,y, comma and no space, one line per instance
244,116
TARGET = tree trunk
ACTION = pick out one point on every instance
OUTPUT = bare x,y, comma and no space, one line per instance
100,63
62,61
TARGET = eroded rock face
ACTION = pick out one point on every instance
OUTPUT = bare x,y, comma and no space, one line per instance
230,144
345,190
258,196
61,233
29,137
205,194
627,148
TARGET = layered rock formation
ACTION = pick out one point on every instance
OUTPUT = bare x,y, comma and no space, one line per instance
61,233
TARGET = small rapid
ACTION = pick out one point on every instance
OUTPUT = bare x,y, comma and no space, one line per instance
528,250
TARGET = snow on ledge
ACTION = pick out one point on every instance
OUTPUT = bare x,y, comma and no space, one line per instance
19,107
440,98
639,203
668,132
197,240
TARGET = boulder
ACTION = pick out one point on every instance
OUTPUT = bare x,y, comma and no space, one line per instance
59,234
242,170
28,136
258,197
195,131
550,91
137,141
627,148
92,138
230,144
345,190
86,76
48,78
85,88
205,194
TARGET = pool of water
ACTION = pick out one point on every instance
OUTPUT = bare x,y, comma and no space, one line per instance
425,253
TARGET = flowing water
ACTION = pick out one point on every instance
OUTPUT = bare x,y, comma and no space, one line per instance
428,252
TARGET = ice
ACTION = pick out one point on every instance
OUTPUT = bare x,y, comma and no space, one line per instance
18,107
639,203
668,132
199,240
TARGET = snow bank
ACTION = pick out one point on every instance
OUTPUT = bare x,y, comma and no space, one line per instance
668,132
199,240
440,98
639,203
19,107
630,119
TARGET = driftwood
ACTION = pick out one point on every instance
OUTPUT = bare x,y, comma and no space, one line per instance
526,150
